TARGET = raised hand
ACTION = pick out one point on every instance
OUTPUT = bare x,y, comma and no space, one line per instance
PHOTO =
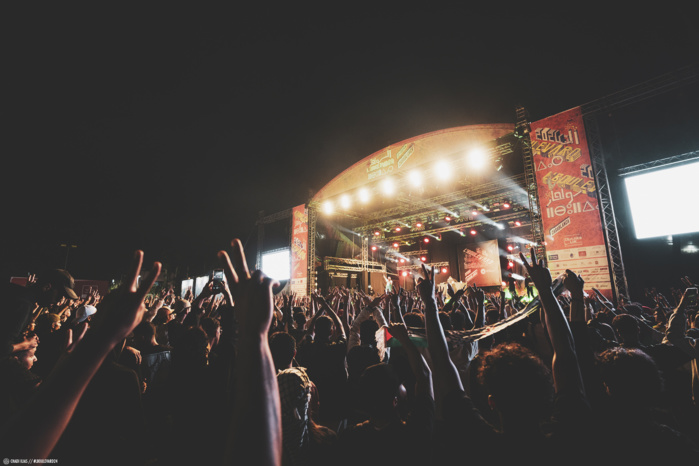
539,273
122,310
574,283
252,293
426,286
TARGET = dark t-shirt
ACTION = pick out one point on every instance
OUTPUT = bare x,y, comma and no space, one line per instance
401,443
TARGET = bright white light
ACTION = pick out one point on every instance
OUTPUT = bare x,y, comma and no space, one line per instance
328,207
415,178
662,201
388,186
477,159
500,226
277,264
345,201
443,170
363,195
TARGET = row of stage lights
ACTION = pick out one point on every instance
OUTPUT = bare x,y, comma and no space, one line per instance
419,225
443,171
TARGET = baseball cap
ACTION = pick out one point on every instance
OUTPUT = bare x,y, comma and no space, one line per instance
62,281
84,312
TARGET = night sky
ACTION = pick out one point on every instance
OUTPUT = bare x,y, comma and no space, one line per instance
169,129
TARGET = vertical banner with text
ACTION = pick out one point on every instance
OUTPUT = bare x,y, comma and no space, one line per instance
568,196
299,250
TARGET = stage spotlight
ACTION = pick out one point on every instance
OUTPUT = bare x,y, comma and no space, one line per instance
473,232
518,223
438,236
443,170
506,205
328,207
510,264
418,224
397,229
415,178
423,258
447,218
396,245
477,158
345,201
499,226
388,186
402,261
363,195
444,270
426,239
510,247
474,213
404,273
374,248
436,271
377,233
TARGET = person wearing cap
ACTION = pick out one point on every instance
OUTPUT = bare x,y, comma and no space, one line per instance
19,302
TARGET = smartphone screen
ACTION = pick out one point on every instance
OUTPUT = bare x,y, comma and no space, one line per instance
218,278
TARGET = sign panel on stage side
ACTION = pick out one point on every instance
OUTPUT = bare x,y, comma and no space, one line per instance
299,250
569,207
481,264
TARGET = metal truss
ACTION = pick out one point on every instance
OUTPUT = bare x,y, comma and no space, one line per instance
674,160
352,265
311,253
606,208
522,130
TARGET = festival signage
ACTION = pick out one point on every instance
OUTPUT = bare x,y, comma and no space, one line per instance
568,196
481,264
299,250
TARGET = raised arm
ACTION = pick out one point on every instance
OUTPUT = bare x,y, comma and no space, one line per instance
34,433
446,377
565,368
256,424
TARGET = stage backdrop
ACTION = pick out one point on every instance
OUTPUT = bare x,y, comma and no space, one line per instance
299,250
568,196
481,264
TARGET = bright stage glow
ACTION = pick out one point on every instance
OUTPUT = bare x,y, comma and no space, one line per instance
661,201
443,170
345,201
415,178
277,264
363,195
477,159
388,187
328,207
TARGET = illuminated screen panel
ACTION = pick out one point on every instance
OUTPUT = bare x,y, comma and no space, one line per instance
662,202
277,264
187,285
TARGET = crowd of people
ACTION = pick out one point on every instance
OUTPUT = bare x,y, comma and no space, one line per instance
242,375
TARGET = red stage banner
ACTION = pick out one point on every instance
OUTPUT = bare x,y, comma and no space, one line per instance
568,197
481,264
299,250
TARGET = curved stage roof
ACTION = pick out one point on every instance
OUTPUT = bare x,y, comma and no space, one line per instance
411,153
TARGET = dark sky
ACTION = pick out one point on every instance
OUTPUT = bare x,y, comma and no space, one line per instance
168,128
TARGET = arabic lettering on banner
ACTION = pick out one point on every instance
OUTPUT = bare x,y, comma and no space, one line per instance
568,197
299,250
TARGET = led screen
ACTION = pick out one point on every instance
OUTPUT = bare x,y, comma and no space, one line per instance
662,201
186,286
277,264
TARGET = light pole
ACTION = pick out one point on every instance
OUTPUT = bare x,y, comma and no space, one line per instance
68,248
